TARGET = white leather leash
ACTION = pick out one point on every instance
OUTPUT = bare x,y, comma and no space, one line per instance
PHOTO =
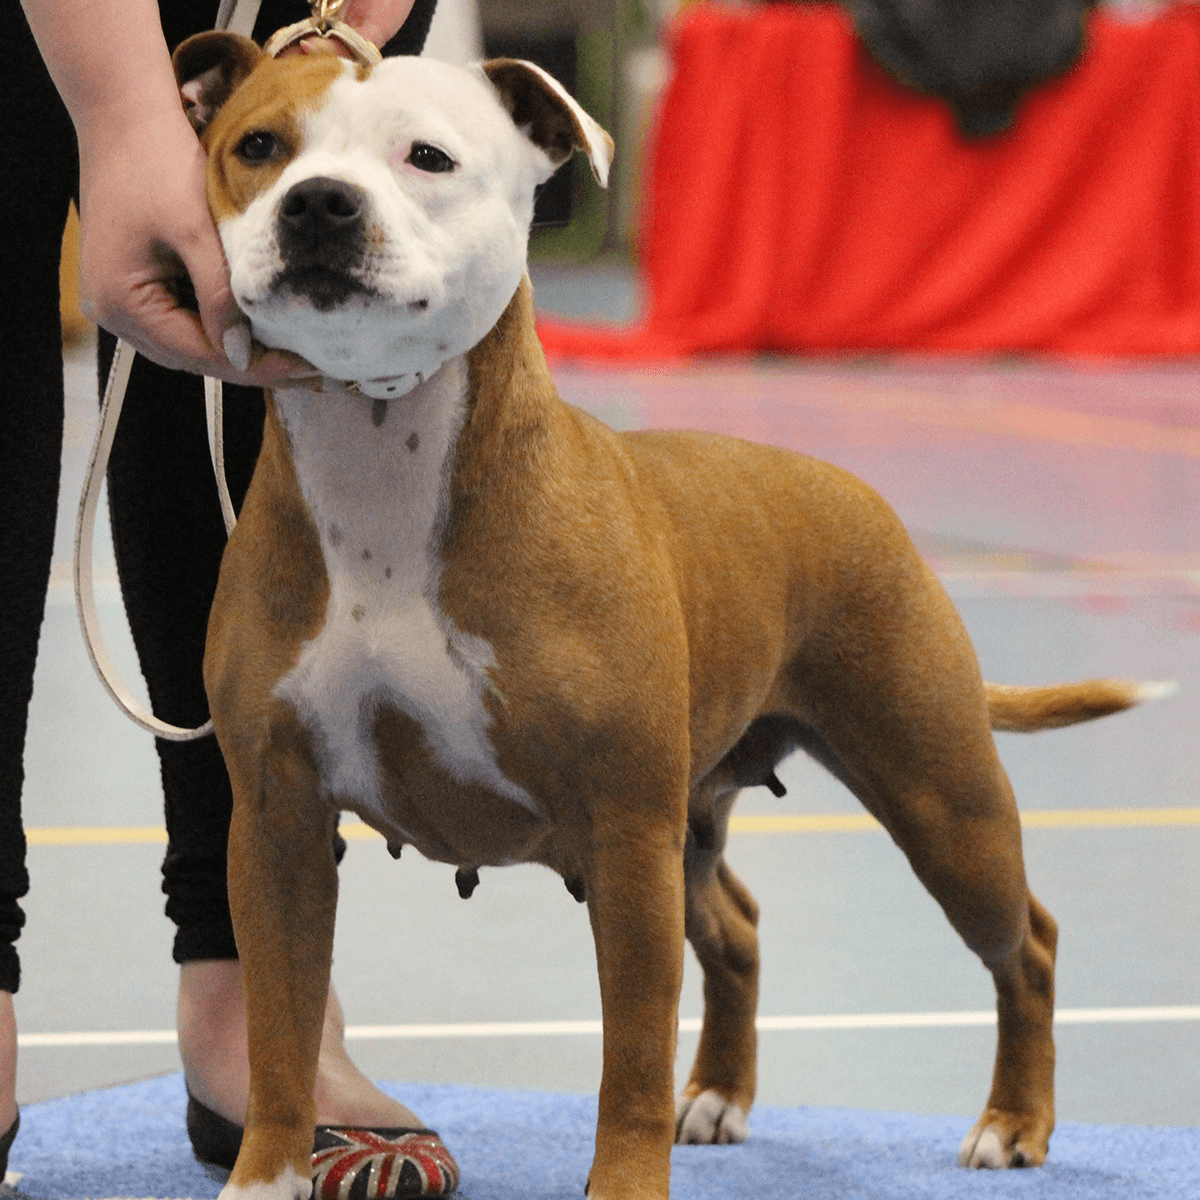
238,16
85,529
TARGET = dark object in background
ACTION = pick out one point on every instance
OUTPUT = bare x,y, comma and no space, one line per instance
557,55
980,55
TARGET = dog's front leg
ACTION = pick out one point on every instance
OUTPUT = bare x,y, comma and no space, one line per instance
636,904
283,897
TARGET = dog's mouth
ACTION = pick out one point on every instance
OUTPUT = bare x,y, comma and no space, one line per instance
323,286
327,288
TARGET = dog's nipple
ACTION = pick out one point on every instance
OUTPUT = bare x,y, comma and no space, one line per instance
467,880
773,782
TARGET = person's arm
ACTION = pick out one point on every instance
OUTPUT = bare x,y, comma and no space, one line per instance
144,217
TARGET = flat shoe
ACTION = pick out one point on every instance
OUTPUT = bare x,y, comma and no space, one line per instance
349,1163
6,1144
7,1191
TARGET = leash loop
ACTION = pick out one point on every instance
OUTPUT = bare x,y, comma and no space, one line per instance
85,586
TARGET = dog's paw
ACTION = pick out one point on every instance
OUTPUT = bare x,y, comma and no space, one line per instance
709,1119
288,1185
1001,1140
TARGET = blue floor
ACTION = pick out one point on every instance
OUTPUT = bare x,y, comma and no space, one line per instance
1061,504
537,1146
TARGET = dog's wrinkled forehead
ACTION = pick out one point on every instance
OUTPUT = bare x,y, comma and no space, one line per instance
411,100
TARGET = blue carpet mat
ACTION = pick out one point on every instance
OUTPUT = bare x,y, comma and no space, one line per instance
129,1143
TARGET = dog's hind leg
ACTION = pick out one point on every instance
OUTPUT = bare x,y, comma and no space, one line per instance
972,865
901,718
722,920
1014,1129
721,926
963,840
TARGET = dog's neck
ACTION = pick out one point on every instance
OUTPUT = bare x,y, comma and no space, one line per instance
378,474
374,473
511,398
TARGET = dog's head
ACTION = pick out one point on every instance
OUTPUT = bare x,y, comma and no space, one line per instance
375,220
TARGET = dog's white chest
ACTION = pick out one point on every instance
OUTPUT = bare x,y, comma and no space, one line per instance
375,477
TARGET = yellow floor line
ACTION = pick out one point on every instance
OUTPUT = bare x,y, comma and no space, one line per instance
1063,818
805,823
102,836
1100,817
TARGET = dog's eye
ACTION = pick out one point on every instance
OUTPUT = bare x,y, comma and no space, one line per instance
429,158
257,147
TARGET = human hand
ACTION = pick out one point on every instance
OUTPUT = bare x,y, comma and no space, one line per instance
145,229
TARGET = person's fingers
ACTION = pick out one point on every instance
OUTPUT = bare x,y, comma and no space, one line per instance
377,20
152,321
153,269
202,260
226,328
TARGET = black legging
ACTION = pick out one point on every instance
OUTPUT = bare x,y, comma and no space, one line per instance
167,529
38,176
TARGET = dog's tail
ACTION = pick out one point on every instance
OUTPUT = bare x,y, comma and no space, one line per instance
1028,709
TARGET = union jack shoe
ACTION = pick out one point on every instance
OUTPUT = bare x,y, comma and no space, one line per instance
349,1163
380,1164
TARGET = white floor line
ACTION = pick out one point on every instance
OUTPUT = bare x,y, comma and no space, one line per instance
928,1020
127,1037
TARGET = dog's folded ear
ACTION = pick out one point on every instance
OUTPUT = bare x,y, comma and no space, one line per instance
208,67
548,115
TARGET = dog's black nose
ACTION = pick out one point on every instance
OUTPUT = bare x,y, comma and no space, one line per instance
322,234
320,210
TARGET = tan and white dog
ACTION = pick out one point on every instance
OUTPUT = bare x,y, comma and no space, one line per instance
501,633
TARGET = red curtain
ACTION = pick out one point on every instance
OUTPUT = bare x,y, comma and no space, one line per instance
800,200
